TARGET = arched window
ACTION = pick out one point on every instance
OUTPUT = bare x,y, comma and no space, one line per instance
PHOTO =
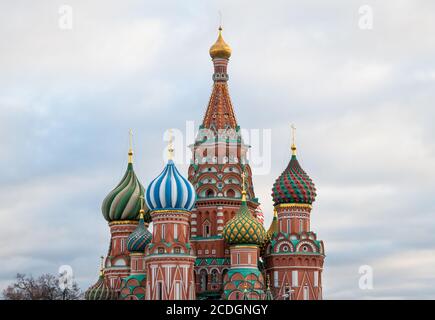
231,193
214,276
206,231
209,193
203,280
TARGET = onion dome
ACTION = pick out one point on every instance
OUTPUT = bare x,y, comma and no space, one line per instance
244,228
123,202
260,215
273,226
220,49
170,191
100,290
293,185
140,237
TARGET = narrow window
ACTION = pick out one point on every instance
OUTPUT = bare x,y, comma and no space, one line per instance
159,293
175,231
206,230
177,291
275,279
306,293
300,225
316,279
295,278
163,231
288,226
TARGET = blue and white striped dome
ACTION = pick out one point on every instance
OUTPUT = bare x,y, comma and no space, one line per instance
170,190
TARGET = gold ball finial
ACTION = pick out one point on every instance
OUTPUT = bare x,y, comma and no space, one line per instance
293,146
220,49
171,145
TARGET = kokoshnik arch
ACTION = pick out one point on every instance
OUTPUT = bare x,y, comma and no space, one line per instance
208,239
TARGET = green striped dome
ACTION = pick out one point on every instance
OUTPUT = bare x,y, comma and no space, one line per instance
244,228
100,291
123,202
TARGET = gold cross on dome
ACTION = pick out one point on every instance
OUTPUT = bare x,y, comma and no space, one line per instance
293,146
101,265
141,202
130,133
170,145
293,133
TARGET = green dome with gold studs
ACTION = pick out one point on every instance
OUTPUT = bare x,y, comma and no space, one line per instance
244,228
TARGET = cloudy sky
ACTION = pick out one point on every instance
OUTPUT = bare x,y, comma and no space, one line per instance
362,101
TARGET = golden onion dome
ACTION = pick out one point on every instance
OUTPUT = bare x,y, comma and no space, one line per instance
220,49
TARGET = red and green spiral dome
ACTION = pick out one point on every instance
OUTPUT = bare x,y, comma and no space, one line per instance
293,185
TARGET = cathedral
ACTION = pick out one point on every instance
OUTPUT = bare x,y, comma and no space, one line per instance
208,240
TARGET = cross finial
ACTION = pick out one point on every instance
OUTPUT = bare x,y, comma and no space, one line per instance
130,149
101,265
243,185
170,146
293,147
142,211
220,20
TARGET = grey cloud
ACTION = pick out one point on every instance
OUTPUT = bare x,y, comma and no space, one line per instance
362,102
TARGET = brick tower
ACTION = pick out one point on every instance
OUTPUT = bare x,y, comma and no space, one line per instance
121,208
293,255
219,158
169,258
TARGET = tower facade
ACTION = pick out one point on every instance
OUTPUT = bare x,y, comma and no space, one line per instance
133,287
121,208
293,254
244,234
218,159
169,257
